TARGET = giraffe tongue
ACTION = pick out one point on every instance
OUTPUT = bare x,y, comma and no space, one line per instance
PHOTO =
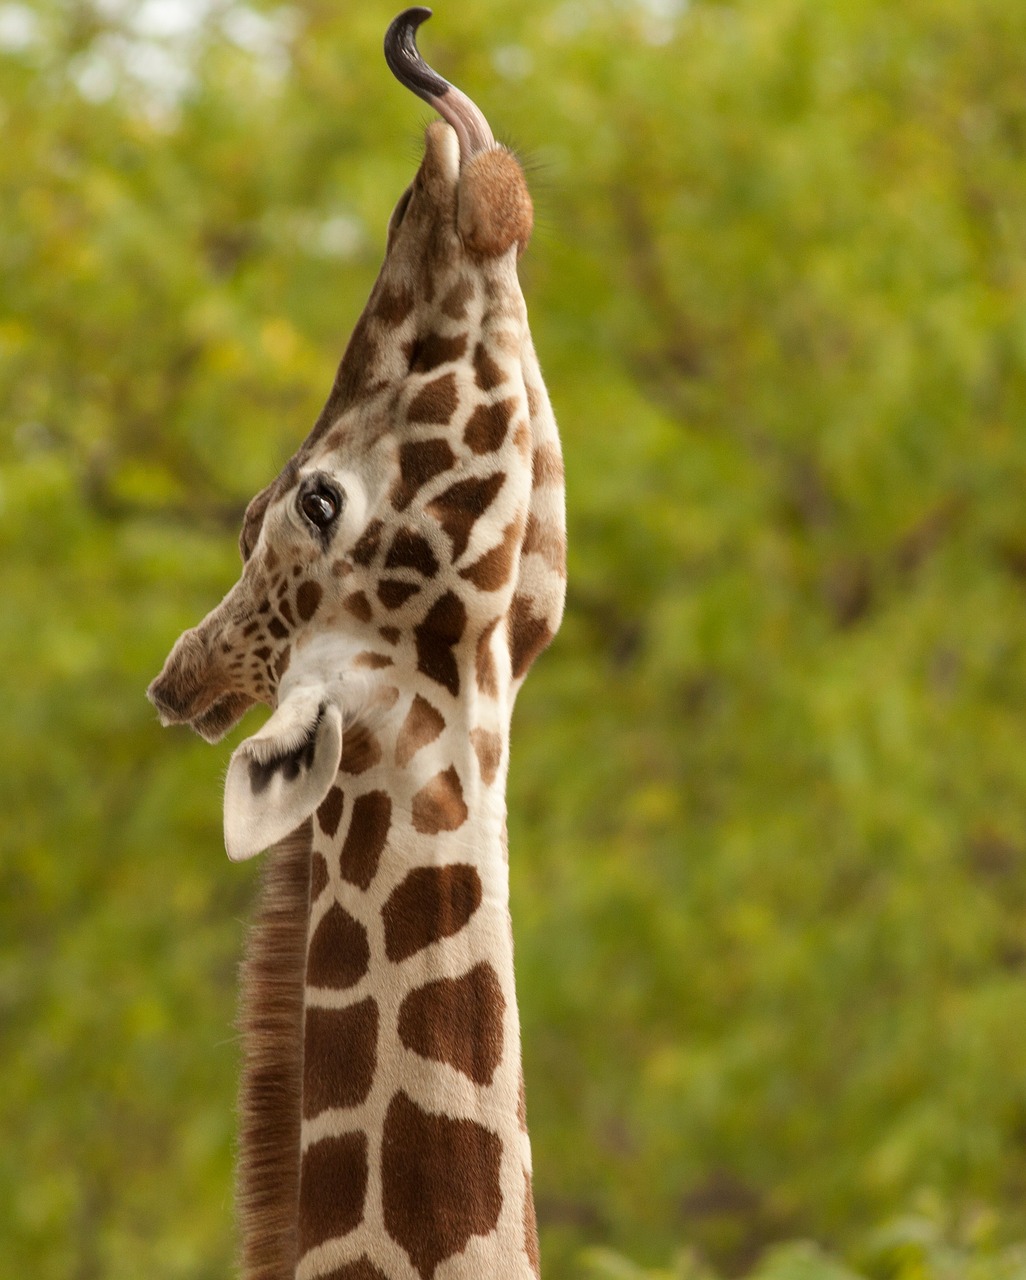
410,69
472,128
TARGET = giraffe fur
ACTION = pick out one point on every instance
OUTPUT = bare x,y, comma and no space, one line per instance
399,578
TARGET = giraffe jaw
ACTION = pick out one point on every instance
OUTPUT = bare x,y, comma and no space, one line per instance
211,723
221,716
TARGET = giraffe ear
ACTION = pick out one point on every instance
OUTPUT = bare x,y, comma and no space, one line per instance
277,778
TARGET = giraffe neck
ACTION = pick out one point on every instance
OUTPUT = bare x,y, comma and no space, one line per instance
417,535
406,1105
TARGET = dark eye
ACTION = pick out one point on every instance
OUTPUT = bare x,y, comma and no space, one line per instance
320,502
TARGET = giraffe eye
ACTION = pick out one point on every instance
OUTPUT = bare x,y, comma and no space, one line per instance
320,502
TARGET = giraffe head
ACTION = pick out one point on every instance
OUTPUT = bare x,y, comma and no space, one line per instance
417,533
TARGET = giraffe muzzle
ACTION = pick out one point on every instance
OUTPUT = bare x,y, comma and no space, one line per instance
191,689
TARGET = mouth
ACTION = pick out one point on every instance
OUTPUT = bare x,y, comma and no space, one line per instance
220,716
210,715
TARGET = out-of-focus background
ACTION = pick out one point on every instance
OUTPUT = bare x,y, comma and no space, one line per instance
768,794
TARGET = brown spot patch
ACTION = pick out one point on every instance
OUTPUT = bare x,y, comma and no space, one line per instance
358,366
362,1269
338,954
433,350
437,401
454,304
339,1056
546,466
439,804
332,1189
308,598
422,725
393,305
318,876
484,661
365,839
372,661
436,638
487,374
528,635
410,550
419,462
329,811
530,1227
488,749
359,606
430,904
360,750
440,1182
393,594
546,541
281,663
277,628
488,424
389,634
458,1021
461,505
493,569
366,548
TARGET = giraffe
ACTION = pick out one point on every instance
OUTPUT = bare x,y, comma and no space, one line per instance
400,575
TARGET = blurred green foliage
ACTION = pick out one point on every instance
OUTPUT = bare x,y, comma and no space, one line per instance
767,800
